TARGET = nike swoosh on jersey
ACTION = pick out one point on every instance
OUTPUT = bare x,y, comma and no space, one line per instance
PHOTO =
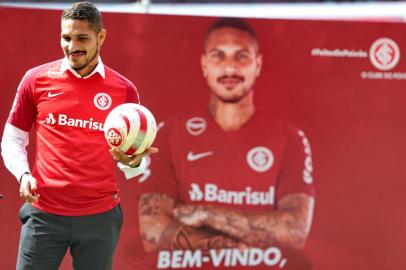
192,156
50,94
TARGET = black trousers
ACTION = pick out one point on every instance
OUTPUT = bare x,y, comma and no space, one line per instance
45,238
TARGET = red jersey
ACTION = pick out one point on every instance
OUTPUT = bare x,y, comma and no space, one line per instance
250,169
73,165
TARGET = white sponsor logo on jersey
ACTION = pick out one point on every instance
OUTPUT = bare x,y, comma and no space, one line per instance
195,193
50,120
102,101
308,164
211,193
65,120
195,156
53,94
260,158
196,126
384,54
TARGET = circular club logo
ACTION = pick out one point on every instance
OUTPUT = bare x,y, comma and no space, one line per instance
196,126
384,54
102,101
260,159
114,137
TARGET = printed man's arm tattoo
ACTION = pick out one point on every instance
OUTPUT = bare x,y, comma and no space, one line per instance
289,225
160,231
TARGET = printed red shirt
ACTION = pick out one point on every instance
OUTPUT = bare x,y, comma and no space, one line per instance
73,166
250,169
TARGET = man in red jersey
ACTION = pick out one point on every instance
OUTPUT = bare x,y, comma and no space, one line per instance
71,195
231,186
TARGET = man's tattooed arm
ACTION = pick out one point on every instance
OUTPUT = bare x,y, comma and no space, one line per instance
161,231
289,225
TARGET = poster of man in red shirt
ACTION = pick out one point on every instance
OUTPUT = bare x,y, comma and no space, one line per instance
232,185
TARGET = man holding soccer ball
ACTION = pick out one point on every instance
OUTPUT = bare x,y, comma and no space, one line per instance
71,195
229,180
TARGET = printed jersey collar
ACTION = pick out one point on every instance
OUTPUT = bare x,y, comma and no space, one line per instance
99,69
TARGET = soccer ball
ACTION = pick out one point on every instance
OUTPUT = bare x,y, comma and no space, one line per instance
130,127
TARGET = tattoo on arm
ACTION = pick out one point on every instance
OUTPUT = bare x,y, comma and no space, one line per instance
160,231
289,225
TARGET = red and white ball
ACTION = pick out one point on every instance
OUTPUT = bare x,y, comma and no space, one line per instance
131,128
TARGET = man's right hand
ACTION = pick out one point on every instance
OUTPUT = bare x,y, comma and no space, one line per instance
28,186
131,161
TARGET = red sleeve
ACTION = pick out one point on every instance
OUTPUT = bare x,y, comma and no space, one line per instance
296,174
162,177
23,111
132,94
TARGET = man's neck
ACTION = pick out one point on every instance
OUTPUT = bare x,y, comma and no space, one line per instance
88,69
232,116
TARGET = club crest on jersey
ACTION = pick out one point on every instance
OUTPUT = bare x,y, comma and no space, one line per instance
260,159
196,126
102,101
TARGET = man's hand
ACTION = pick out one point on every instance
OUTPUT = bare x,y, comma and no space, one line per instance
191,215
28,186
132,161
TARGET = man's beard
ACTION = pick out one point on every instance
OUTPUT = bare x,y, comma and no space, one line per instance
90,60
233,99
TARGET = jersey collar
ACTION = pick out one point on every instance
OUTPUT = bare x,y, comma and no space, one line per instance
99,69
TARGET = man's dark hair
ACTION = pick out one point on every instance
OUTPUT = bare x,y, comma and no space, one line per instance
236,23
84,11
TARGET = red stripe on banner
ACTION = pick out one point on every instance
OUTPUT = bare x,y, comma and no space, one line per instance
126,121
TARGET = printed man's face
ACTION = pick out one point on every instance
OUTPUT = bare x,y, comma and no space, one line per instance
230,63
80,43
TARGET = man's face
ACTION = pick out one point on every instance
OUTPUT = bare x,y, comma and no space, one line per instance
230,64
81,43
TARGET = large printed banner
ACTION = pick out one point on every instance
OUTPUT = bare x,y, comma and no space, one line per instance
342,84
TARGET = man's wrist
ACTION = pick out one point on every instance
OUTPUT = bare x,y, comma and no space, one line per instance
134,165
21,178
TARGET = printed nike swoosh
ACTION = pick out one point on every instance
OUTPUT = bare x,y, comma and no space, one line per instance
54,95
192,156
